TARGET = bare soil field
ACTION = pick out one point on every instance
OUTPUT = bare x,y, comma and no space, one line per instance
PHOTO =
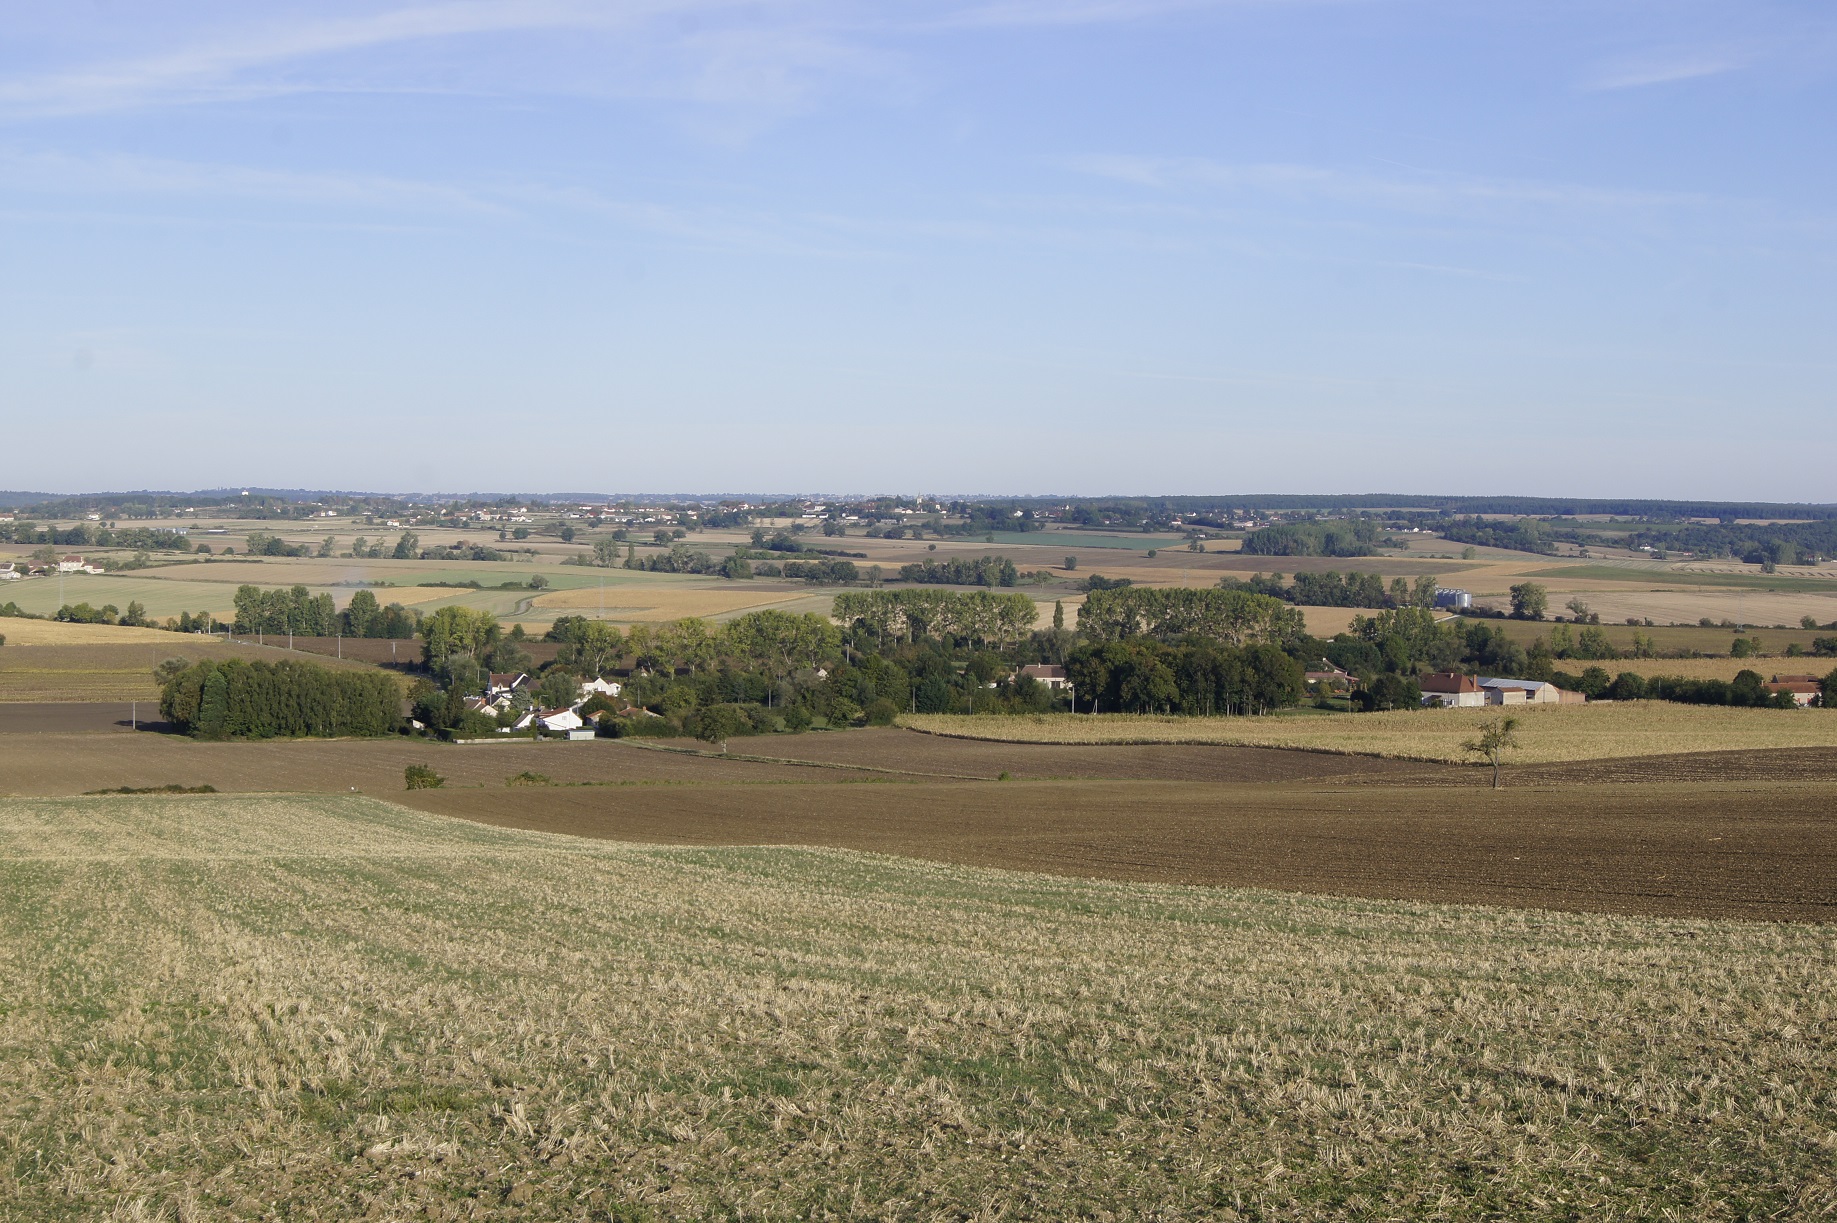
71,717
53,764
910,751
1751,849
335,1008
1744,834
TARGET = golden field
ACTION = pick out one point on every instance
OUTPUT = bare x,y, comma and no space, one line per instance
20,632
651,604
1548,734
332,1008
1706,668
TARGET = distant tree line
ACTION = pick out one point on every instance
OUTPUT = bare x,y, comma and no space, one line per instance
1329,589
1357,537
1517,534
962,571
1199,678
299,611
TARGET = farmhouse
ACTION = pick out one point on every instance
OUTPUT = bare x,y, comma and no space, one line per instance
9,572
1051,676
559,720
1527,692
603,687
1804,688
1452,689
76,564
505,683
1333,677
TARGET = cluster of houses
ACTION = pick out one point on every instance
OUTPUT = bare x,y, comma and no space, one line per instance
511,690
11,571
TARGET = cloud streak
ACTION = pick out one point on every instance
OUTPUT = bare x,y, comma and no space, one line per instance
1666,69
1426,193
219,68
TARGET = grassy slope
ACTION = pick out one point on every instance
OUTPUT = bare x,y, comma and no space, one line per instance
1547,734
332,1008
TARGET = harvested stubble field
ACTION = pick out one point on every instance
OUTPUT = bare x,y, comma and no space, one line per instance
1669,638
1549,733
332,1008
1708,668
634,603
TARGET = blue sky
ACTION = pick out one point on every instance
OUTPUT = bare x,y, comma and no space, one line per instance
1086,246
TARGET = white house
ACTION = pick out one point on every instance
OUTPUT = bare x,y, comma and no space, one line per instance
9,572
504,683
1052,676
601,687
1452,689
76,564
560,719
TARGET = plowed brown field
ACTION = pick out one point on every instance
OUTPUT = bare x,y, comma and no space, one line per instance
1731,834
1751,850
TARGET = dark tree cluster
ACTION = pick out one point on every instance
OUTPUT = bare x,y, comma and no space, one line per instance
261,700
1332,538
962,571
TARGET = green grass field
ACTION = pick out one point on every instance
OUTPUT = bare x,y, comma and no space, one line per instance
331,1008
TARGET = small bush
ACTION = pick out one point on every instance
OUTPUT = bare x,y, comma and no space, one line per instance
797,719
527,778
420,777
881,712
642,728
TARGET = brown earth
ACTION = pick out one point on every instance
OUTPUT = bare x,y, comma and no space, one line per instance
1728,834
66,717
1745,850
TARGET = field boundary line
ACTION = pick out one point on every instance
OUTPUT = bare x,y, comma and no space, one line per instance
809,764
1263,747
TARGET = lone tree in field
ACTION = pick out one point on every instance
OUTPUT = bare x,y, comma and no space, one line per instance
1495,737
1529,601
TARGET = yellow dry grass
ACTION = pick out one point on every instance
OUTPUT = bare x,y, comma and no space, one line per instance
1688,606
52,632
1548,733
635,603
298,1008
1706,668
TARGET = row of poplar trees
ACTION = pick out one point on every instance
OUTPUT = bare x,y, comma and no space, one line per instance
233,699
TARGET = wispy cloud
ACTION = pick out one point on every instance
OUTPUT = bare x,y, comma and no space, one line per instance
1423,192
1071,12
716,51
1666,68
232,65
